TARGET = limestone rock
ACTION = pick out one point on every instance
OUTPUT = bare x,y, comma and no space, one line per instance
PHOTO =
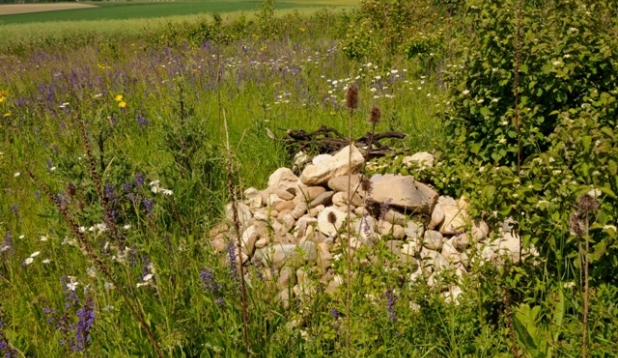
423,159
404,192
332,167
323,199
253,198
480,230
455,220
340,183
244,214
287,254
283,178
414,230
394,217
433,240
308,194
437,216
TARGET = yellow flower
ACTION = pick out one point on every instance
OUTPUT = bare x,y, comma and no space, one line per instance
118,98
122,104
3,94
7,114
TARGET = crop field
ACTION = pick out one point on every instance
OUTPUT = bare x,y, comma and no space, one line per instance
15,14
132,148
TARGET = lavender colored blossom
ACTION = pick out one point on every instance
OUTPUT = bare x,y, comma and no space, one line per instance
84,326
141,120
110,194
147,203
7,243
48,162
209,282
139,180
126,187
232,260
335,313
391,305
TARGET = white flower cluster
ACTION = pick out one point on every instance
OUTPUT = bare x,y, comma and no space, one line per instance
156,188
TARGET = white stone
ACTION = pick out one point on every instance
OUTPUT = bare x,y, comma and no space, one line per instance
423,159
404,192
244,214
414,230
253,198
332,167
437,217
433,240
283,178
455,219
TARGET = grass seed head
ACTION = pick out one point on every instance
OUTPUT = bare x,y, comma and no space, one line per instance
351,98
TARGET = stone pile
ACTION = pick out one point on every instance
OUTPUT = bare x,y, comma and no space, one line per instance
300,223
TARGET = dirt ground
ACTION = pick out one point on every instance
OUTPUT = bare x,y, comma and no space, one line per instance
26,8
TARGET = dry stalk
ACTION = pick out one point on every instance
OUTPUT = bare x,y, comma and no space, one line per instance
97,260
352,105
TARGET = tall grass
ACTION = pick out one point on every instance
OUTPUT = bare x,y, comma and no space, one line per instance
152,114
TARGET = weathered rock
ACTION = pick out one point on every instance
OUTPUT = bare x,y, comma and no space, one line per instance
480,230
244,214
340,183
325,226
455,219
313,212
449,252
299,210
321,158
410,248
433,240
414,230
394,217
218,229
287,254
461,242
286,279
384,227
332,167
399,233
423,159
218,243
341,199
285,205
253,198
283,194
437,217
283,178
308,194
249,237
323,199
272,200
404,192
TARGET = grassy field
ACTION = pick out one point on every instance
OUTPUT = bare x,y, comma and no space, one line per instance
115,167
149,9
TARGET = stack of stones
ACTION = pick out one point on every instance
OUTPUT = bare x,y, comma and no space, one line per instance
295,227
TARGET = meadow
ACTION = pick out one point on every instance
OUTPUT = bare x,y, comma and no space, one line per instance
123,140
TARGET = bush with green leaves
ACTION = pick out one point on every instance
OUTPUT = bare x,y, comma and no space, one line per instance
567,58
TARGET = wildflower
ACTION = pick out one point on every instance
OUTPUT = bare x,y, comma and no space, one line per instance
570,284
35,254
86,317
391,305
44,238
17,174
46,261
118,98
28,261
72,286
465,92
122,104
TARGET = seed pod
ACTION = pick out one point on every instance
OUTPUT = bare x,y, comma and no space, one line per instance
588,204
351,97
376,115
332,218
